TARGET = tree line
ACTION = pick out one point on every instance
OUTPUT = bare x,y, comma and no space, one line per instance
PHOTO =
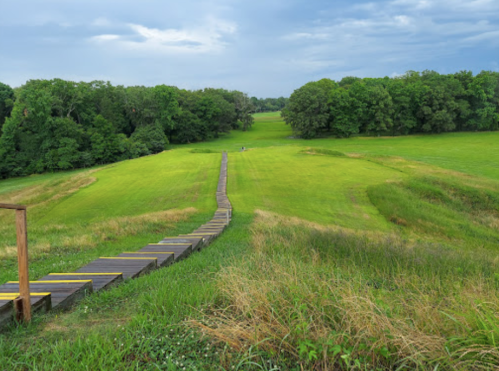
49,125
415,102
268,104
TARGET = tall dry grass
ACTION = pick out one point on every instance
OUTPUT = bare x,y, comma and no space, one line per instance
328,298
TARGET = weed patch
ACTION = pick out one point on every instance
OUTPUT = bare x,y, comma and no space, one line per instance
326,298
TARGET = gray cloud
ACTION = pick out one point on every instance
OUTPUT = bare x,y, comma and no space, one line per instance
266,48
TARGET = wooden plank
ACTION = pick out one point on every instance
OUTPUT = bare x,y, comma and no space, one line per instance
16,294
12,207
126,258
22,260
130,268
197,242
100,281
163,258
63,294
41,304
179,252
6,312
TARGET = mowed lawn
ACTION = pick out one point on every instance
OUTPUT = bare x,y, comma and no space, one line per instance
170,180
323,189
274,174
473,153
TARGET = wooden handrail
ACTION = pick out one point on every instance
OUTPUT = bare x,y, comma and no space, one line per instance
22,259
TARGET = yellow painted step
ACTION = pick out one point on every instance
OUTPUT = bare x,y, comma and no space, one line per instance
123,258
148,252
84,274
54,281
31,293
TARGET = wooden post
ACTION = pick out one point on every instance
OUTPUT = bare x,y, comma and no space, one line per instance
22,260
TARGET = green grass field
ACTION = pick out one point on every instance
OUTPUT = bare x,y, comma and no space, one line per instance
361,253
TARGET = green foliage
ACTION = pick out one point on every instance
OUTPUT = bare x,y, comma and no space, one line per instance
413,103
343,111
61,125
152,136
105,143
308,112
261,105
6,103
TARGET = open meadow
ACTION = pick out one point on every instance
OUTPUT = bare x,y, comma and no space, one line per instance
367,253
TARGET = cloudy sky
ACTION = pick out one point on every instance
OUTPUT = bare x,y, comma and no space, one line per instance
266,48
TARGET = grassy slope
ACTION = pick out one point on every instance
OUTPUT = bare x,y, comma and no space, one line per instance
290,183
113,209
472,153
170,180
273,175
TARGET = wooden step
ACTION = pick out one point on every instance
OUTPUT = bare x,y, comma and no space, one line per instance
100,281
215,232
129,267
62,293
164,259
6,311
209,230
180,251
39,304
208,236
197,242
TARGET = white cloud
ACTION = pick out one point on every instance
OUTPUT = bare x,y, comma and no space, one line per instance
395,32
210,37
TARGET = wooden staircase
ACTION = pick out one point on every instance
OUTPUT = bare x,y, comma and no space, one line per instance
58,291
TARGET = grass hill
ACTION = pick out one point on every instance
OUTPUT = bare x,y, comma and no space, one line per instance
362,253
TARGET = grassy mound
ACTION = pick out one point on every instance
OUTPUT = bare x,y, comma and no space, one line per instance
382,259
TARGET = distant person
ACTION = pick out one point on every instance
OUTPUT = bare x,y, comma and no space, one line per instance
243,149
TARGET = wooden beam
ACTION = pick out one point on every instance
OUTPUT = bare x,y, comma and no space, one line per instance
12,207
22,259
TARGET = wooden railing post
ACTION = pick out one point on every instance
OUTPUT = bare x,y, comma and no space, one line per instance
22,259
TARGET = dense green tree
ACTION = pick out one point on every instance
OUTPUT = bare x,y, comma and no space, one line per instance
188,127
57,124
244,107
166,106
412,103
268,104
404,108
484,111
308,111
6,103
152,136
105,142
343,110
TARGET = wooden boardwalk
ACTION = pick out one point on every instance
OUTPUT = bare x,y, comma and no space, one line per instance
58,291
